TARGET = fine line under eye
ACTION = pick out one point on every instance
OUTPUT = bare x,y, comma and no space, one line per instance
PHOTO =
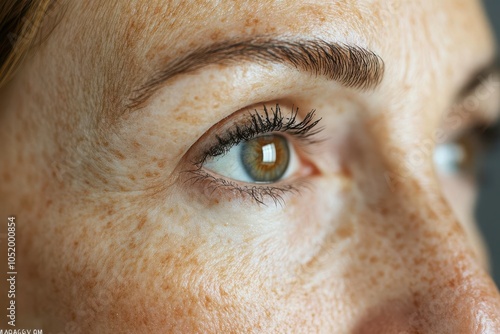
271,120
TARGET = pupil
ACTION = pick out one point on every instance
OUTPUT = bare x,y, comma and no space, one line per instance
266,158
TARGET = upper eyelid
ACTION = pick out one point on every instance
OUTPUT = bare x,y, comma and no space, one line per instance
304,128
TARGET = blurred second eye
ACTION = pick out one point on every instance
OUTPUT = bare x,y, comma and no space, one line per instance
263,159
464,155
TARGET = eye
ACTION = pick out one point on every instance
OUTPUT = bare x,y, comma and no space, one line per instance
263,159
463,156
455,157
258,154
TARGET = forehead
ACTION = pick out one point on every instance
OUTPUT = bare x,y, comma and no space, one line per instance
341,19
444,40
180,25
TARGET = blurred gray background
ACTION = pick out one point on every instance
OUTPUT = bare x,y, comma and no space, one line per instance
488,209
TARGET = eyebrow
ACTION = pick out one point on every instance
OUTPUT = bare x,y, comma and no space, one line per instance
351,66
479,78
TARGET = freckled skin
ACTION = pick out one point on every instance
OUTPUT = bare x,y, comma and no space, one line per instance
113,237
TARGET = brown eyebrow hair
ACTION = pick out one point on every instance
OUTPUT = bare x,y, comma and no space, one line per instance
491,68
352,66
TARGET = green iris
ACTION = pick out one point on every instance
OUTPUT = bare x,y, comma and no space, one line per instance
266,158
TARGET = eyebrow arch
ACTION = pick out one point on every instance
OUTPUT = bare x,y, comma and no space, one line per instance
352,66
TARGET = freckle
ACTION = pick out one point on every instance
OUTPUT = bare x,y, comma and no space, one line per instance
75,244
118,154
109,225
89,285
165,286
222,292
161,164
345,232
48,203
215,35
428,234
141,223
418,261
384,211
105,144
131,177
166,259
136,144
148,174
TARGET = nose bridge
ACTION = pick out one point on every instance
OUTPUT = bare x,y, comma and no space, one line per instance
450,291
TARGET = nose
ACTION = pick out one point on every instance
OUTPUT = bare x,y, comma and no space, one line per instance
447,290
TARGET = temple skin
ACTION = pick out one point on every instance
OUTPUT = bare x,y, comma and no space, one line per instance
112,238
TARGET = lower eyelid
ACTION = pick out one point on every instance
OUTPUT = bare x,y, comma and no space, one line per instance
215,188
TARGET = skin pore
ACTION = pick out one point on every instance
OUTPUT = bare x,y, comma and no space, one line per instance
114,234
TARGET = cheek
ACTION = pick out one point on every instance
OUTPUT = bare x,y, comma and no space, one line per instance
161,267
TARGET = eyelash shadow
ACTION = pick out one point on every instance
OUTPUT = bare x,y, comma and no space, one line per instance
269,121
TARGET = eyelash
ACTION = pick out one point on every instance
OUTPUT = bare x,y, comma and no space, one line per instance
256,124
